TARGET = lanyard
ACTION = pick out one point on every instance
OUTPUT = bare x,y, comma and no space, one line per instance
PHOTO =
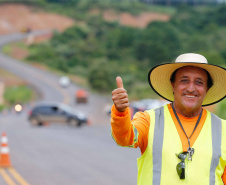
189,148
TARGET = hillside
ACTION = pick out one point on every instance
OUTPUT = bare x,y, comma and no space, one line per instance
124,43
127,19
24,17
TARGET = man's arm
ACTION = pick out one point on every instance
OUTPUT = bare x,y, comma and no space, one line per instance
124,131
224,176
130,133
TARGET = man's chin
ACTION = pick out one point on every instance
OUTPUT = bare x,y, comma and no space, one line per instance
190,105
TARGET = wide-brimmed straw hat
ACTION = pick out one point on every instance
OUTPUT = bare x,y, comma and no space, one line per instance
159,77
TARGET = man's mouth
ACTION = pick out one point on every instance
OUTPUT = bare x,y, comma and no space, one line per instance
190,96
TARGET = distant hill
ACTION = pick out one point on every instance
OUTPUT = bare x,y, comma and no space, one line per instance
108,38
19,17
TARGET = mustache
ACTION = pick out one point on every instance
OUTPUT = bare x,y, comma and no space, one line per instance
193,93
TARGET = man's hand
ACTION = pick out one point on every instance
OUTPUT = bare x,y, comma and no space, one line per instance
120,96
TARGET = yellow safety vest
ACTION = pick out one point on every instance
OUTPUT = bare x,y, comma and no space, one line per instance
157,165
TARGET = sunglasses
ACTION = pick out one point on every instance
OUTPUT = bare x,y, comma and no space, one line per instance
181,165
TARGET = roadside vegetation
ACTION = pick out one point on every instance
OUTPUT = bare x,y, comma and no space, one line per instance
15,90
98,50
221,109
18,94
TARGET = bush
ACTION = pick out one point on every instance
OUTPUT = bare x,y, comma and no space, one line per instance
17,94
101,78
101,50
221,109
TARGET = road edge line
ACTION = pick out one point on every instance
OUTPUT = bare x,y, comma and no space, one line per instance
6,177
17,176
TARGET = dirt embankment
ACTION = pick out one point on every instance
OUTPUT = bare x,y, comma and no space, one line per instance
17,17
140,21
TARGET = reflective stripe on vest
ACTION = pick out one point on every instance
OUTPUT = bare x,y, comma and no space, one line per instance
153,163
135,140
216,145
157,144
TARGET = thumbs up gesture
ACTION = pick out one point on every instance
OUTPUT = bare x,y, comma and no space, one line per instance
120,96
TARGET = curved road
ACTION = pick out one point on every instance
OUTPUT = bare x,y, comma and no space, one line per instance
58,154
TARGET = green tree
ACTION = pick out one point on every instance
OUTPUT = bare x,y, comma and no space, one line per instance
220,15
215,58
159,43
101,77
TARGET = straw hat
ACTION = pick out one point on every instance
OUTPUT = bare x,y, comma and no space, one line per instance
159,77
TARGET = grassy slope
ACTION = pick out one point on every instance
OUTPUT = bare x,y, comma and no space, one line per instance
83,16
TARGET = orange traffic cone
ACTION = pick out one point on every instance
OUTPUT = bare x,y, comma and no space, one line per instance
4,152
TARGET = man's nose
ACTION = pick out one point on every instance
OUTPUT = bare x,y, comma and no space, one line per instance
191,87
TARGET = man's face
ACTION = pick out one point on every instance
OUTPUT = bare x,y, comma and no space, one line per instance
190,88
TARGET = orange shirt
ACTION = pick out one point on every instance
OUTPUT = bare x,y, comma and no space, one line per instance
122,129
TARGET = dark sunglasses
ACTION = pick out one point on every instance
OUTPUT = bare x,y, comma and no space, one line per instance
181,165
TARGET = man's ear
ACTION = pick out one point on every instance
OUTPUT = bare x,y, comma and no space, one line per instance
172,86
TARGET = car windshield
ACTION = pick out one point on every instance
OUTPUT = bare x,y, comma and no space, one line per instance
65,108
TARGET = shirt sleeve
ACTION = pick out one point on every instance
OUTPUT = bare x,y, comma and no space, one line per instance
224,176
127,132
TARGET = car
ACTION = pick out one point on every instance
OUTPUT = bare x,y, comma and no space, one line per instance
64,81
81,96
140,105
148,104
134,107
56,113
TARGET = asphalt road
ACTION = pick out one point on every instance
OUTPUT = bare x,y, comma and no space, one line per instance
57,154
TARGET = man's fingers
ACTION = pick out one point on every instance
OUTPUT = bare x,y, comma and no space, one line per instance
123,101
122,106
119,82
119,91
120,96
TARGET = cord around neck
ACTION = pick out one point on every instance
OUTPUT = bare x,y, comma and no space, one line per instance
200,115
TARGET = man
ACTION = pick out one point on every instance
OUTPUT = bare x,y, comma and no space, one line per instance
181,142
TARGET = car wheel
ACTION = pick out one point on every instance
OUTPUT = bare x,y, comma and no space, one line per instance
34,122
74,122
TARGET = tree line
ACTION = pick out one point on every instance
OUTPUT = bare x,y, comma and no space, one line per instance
99,50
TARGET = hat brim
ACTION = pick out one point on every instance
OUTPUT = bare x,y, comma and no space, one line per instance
159,80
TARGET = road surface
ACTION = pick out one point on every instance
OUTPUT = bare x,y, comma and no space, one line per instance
57,154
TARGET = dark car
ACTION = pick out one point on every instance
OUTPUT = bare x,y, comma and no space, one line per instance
56,113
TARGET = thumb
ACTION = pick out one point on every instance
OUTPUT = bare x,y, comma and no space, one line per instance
119,82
